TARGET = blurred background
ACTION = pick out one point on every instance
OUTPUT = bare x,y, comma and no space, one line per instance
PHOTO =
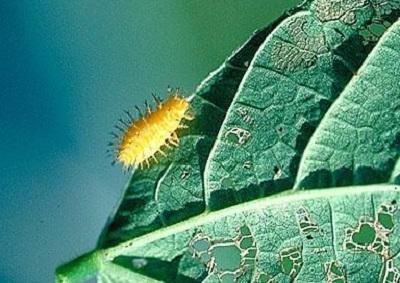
68,69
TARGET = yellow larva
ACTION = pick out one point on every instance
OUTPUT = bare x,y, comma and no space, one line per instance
146,136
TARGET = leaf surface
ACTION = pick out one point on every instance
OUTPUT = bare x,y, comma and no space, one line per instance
264,123
300,70
348,233
358,142
172,190
305,60
112,273
293,236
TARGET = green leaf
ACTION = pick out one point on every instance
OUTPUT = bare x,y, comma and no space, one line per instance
172,190
360,135
348,233
291,236
112,273
295,76
291,109
90,265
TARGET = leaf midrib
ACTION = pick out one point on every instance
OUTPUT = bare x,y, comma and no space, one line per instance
287,196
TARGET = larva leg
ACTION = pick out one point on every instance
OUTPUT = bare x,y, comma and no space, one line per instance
188,117
175,137
168,145
182,126
172,141
162,152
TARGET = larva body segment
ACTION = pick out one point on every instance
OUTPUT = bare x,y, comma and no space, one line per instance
146,136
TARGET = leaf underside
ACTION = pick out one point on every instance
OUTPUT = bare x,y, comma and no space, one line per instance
311,101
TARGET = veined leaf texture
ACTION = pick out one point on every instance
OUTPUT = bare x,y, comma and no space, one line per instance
288,172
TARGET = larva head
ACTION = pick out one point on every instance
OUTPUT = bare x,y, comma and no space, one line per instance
146,136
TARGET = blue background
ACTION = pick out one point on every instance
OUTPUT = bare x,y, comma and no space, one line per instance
68,69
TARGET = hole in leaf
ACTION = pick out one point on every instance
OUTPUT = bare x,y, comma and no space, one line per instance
365,235
291,261
373,234
335,272
226,257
